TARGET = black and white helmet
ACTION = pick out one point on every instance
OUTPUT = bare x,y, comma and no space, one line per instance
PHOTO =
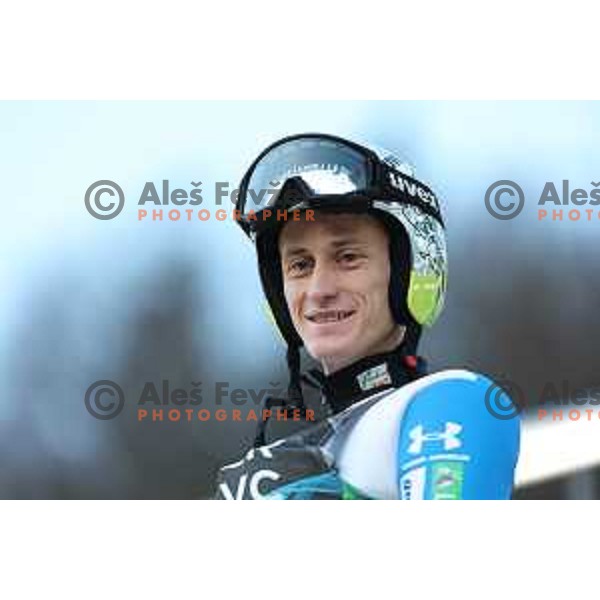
326,172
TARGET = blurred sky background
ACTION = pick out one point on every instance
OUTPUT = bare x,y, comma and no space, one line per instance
84,299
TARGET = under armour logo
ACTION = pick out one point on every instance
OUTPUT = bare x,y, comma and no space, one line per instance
449,436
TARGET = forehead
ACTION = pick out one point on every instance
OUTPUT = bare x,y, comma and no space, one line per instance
329,228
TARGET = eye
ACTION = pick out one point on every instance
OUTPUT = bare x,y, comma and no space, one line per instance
298,267
350,258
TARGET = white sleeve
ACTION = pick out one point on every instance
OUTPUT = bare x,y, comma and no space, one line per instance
368,458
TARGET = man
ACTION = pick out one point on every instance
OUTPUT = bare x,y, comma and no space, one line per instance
354,282
336,277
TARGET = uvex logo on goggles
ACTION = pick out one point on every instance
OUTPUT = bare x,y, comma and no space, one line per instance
413,189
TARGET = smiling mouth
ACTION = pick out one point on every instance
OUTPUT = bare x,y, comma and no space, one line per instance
330,316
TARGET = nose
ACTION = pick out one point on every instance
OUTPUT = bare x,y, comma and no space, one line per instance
322,284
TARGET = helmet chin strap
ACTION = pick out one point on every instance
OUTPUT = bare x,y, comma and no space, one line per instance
295,397
412,335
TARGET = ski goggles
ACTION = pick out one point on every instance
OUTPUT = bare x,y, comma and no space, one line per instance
326,171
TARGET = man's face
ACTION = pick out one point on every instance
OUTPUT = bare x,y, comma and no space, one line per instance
336,274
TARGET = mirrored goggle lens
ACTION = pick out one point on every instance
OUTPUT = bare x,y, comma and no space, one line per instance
327,167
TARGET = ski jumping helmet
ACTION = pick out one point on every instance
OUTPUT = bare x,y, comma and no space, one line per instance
325,172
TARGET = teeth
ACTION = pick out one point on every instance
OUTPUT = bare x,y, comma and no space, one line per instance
330,316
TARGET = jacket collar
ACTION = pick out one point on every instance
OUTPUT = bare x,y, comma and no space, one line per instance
368,376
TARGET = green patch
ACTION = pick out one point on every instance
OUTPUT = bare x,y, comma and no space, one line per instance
447,480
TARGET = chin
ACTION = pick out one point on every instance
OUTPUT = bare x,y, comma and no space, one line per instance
331,351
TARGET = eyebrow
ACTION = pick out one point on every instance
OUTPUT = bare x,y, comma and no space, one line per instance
338,243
